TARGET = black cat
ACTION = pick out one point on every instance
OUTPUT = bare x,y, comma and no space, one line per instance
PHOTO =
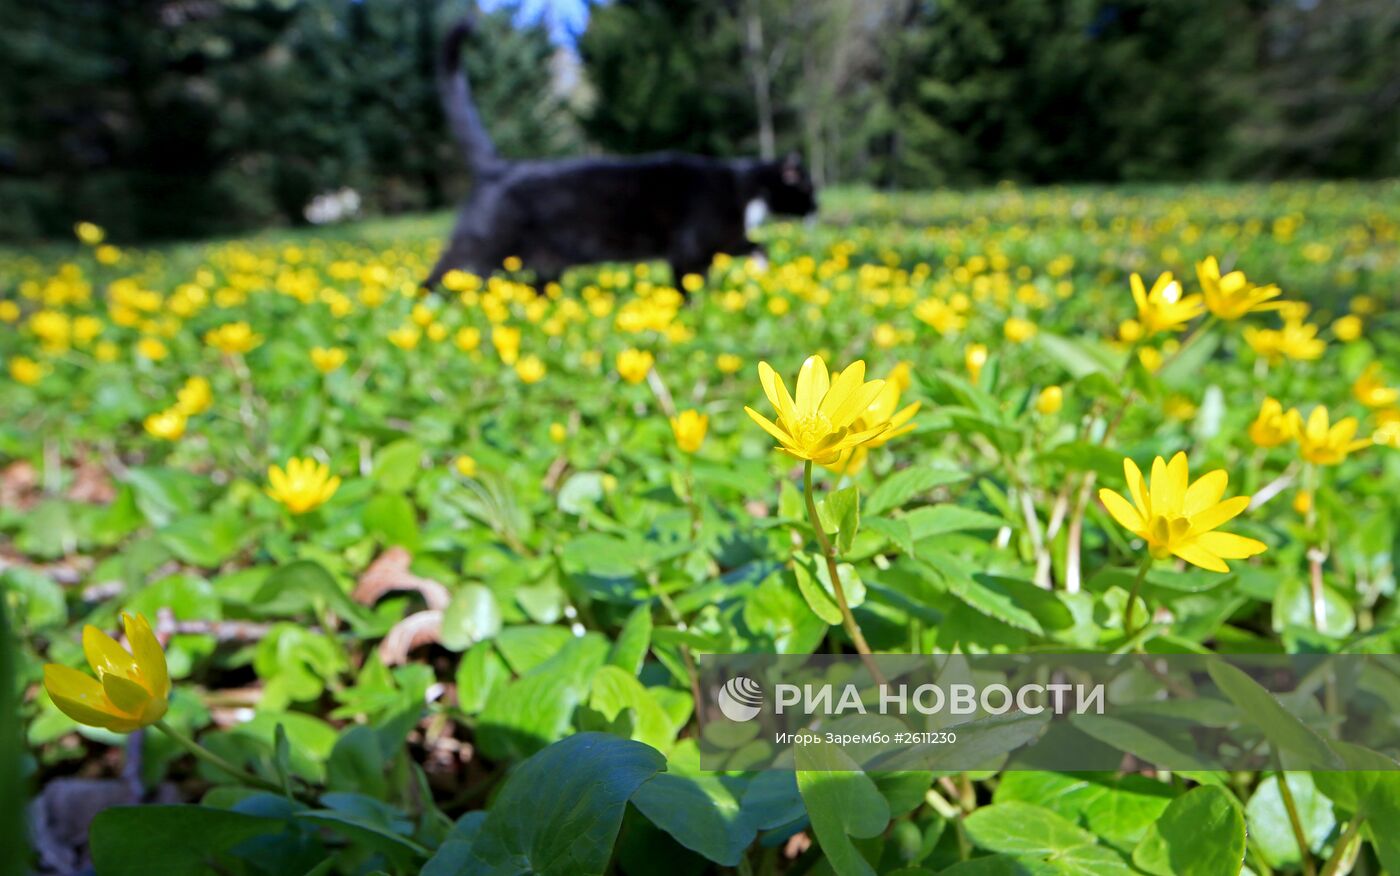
556,214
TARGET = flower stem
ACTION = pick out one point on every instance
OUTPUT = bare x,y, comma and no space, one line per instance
829,552
1133,595
1300,836
216,761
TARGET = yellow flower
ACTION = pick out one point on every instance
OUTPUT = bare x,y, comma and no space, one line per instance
633,365
233,337
1129,330
1273,426
108,254
512,263
89,233
465,465
106,351
692,283
25,370
939,315
1298,341
194,397
131,690
530,369
728,363
1303,502
168,425
468,338
974,357
304,486
1387,434
9,311
422,315
405,337
1164,308
328,359
507,343
152,348
1371,390
558,432
819,423
1151,358
1347,328
883,411
1179,407
1179,518
1018,330
1050,400
1232,296
1325,443
436,332
689,428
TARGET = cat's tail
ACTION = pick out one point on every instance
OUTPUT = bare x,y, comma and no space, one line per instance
456,95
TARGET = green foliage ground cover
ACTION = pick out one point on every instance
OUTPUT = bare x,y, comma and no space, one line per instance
475,655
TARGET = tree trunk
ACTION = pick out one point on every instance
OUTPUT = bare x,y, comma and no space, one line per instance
761,78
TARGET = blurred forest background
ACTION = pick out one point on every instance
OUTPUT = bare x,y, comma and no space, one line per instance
178,118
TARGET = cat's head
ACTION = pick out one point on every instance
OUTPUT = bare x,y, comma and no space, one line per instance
787,188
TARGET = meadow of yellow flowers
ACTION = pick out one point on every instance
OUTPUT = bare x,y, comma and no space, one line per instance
406,549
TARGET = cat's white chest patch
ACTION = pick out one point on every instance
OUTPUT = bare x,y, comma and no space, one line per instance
755,213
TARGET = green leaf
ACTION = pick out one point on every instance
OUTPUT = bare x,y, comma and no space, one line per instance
581,491
933,520
1184,369
300,588
822,603
1202,833
841,803
615,690
537,708
570,829
1079,357
171,840
905,484
1024,829
842,510
1269,824
1118,809
391,518
396,465
993,598
472,616
1294,743
701,812
629,651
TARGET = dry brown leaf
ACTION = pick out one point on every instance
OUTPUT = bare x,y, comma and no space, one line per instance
390,572
415,631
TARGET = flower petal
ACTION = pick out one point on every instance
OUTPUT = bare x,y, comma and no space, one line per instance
1197,555
80,697
150,657
813,381
125,694
1231,546
1217,515
104,655
768,426
1205,492
1122,511
1137,487
840,392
